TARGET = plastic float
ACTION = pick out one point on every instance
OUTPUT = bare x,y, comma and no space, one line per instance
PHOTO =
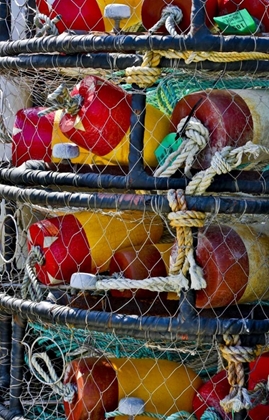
166,387
232,117
217,388
85,241
152,15
101,127
87,15
138,263
256,8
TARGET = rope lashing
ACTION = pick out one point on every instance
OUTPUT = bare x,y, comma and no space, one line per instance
183,220
61,99
46,25
146,74
66,391
195,139
170,17
239,397
226,160
30,283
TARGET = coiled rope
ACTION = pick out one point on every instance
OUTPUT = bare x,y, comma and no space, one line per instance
170,17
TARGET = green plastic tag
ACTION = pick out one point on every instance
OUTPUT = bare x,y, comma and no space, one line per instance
237,23
169,145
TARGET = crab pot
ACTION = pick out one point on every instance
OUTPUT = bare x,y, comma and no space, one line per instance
166,387
85,241
232,117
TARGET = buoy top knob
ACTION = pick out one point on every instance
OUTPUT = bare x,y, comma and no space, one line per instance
83,281
117,11
131,406
65,151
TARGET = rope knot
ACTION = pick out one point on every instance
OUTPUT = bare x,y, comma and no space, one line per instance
46,25
239,397
170,17
220,164
61,99
182,259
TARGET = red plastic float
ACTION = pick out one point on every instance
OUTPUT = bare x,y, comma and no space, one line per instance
151,15
85,241
166,387
232,117
101,127
258,9
217,388
86,15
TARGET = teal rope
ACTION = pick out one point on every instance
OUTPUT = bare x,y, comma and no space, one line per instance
211,414
175,416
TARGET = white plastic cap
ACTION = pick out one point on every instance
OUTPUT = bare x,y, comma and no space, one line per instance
65,151
83,281
117,11
131,406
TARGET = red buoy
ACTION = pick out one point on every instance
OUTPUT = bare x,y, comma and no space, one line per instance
31,136
258,9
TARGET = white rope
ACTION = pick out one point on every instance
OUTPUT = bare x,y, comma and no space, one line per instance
48,26
171,283
170,17
195,139
226,160
30,283
65,390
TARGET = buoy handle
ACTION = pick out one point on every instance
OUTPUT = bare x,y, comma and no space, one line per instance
117,12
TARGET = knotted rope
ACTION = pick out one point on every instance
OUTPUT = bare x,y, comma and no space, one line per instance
61,99
46,25
195,139
146,74
170,17
239,397
226,160
183,221
30,283
66,391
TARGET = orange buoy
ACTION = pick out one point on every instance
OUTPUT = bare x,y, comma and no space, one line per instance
87,15
234,262
85,241
139,263
101,127
232,117
166,387
151,15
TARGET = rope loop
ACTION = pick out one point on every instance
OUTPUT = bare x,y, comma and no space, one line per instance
194,141
61,99
46,25
170,17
